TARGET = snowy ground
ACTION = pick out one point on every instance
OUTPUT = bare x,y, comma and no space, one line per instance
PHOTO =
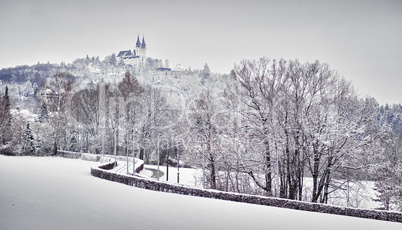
57,193
187,176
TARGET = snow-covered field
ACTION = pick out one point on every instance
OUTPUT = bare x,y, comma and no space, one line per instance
57,193
187,176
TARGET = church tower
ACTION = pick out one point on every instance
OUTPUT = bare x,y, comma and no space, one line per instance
143,55
140,51
137,46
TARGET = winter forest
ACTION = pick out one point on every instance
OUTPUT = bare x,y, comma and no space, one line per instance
277,128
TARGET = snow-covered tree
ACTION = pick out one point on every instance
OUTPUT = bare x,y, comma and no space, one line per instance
6,131
253,97
28,142
300,118
131,91
203,112
56,94
85,111
386,166
206,72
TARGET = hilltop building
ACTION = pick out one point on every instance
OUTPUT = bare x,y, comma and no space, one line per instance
135,57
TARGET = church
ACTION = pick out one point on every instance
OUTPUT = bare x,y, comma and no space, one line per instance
135,57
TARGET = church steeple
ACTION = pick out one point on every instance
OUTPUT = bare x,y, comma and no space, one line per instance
143,45
138,44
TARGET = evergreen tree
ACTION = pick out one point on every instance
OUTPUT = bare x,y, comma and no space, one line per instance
29,147
206,72
43,113
5,120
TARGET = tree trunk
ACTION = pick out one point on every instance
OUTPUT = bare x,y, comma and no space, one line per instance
213,170
316,163
327,182
283,183
268,172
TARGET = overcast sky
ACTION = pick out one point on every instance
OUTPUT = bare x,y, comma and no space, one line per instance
362,40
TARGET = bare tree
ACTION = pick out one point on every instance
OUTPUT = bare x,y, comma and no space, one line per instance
202,112
85,110
254,97
387,168
56,94
131,92
299,116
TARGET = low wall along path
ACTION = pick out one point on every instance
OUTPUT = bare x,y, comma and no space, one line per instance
103,172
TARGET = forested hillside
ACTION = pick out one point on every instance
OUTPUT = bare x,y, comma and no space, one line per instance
273,127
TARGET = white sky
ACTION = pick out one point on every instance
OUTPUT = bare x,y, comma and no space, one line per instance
361,39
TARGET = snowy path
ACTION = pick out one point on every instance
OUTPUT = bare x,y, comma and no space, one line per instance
121,167
153,173
57,193
148,171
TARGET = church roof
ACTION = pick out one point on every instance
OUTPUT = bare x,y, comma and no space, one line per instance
131,57
124,53
127,54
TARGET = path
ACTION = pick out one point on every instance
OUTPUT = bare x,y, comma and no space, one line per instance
155,173
122,168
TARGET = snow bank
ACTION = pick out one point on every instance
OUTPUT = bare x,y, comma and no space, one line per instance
147,183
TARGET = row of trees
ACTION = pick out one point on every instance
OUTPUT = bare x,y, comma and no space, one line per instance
281,122
106,119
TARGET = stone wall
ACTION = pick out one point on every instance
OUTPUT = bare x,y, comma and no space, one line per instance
151,184
139,165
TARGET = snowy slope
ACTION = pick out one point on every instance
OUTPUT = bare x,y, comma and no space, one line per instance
57,193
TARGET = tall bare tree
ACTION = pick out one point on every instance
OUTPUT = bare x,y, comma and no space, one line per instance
203,112
56,94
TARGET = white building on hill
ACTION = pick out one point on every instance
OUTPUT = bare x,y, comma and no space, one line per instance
135,57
